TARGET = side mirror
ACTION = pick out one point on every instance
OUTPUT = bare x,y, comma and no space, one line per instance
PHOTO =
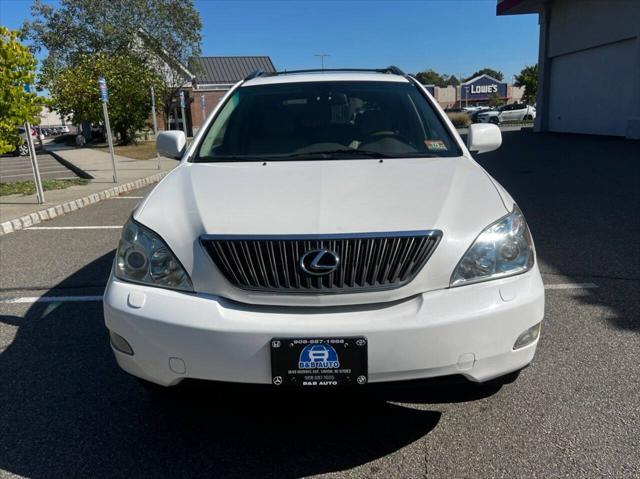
171,144
483,137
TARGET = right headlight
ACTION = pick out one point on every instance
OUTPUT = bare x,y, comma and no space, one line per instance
143,257
504,248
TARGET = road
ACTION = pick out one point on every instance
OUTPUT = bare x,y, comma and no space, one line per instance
18,168
67,410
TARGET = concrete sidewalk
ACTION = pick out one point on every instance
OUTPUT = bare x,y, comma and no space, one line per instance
18,212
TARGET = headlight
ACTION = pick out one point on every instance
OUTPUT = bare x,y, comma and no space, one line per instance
504,248
143,257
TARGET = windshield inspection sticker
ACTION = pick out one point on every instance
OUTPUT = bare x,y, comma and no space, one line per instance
435,145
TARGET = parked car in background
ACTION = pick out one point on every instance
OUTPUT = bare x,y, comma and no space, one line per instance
513,112
474,109
22,148
473,115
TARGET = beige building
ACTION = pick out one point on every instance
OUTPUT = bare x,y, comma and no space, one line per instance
588,64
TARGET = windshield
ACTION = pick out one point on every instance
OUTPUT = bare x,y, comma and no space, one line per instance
326,120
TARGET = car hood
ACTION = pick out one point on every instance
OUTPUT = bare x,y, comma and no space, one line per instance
454,195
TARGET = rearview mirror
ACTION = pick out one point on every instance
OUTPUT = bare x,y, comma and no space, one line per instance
171,144
483,137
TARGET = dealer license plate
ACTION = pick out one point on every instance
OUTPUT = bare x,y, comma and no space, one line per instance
319,362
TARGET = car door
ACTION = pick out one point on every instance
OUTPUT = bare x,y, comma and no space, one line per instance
519,112
505,113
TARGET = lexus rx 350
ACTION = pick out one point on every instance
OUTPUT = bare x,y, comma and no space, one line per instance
325,228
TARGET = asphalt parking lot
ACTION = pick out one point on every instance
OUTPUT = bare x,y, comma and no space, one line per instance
66,410
18,168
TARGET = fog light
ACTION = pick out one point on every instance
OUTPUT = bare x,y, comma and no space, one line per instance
119,343
527,337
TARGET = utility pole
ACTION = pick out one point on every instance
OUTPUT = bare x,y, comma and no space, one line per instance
322,55
155,121
184,116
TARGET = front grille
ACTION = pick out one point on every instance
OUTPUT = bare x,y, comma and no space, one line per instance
367,262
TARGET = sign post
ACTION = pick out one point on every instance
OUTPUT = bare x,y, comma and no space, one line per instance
155,121
184,118
34,158
34,164
104,94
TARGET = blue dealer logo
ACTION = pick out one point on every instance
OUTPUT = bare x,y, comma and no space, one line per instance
318,356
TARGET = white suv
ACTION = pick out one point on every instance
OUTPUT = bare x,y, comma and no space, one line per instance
325,228
513,112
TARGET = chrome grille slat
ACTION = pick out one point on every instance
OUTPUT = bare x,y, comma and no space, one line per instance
368,262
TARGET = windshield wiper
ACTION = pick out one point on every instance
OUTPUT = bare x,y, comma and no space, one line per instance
320,154
340,151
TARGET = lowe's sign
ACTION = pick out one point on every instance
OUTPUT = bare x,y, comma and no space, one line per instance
483,88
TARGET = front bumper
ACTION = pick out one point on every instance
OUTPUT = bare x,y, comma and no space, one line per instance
469,330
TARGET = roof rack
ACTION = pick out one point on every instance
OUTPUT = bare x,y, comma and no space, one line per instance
392,69
255,74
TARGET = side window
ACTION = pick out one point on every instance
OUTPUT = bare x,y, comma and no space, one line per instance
215,137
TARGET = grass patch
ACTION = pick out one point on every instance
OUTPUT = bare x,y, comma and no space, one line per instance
144,150
459,120
29,188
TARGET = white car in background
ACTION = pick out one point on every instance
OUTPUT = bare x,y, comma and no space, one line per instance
333,215
505,113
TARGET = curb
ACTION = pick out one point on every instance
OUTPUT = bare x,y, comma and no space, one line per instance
81,173
31,219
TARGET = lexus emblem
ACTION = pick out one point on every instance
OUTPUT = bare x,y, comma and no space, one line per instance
319,262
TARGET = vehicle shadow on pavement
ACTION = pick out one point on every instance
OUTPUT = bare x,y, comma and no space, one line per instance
67,410
581,197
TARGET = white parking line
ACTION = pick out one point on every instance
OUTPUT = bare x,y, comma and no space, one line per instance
49,299
74,228
570,286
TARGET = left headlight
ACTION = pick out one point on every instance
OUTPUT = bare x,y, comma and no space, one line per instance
143,257
504,248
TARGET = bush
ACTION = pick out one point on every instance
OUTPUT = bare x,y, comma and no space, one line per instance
459,120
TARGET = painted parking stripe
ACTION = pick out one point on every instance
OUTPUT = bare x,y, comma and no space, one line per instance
74,228
570,286
49,299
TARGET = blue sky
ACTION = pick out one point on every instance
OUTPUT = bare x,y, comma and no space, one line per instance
450,36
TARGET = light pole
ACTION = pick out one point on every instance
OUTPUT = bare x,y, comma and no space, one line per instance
322,55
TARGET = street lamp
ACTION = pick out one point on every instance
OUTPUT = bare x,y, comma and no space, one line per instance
322,55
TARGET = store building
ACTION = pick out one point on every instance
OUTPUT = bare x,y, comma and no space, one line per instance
588,64
213,77
481,90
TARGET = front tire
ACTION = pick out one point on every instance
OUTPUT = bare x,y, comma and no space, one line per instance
528,118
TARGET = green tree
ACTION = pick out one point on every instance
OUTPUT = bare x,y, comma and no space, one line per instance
17,68
528,78
159,34
74,91
495,100
432,77
487,71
